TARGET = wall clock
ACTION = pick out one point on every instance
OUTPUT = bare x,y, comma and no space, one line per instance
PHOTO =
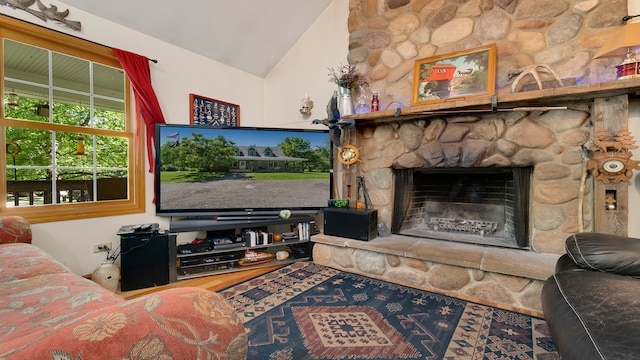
612,161
613,166
349,155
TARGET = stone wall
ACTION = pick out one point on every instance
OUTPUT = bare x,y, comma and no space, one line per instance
387,36
550,141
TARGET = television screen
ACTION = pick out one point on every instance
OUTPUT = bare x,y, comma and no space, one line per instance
240,171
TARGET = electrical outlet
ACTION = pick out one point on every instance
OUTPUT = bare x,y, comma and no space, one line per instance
100,247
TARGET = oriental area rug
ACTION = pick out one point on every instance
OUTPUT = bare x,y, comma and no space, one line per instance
309,311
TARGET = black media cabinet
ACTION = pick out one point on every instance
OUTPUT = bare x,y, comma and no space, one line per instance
216,257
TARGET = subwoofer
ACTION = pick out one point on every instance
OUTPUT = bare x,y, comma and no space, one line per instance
144,261
351,223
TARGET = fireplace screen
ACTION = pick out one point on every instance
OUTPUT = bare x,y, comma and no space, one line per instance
487,206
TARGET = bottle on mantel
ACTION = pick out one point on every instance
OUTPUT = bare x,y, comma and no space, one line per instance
374,102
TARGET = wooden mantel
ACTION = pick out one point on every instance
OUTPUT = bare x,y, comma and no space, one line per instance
546,97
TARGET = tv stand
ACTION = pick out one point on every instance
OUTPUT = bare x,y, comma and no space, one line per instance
216,255
226,222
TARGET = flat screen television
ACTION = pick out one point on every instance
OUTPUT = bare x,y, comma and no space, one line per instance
241,173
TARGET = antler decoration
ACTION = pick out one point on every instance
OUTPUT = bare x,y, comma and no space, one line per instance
44,13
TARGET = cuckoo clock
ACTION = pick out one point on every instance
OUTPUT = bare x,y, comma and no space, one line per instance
611,160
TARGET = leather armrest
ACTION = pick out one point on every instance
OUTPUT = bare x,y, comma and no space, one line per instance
605,252
565,263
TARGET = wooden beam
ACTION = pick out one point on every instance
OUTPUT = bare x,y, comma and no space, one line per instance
611,115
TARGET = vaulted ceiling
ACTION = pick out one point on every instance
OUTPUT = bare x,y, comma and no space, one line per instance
250,35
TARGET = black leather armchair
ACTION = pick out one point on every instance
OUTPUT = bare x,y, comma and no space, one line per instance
592,303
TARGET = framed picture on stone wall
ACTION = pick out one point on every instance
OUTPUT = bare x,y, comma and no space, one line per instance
459,75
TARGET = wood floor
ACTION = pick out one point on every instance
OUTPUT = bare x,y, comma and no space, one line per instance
212,282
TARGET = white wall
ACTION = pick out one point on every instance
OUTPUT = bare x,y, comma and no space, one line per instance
304,69
634,127
178,73
634,184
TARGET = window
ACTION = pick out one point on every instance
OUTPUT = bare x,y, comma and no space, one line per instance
65,126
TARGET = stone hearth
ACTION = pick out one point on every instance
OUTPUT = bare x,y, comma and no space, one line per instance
496,275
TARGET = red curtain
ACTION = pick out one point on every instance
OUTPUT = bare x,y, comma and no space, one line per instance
137,69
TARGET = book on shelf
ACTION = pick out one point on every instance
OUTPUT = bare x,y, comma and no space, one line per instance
266,237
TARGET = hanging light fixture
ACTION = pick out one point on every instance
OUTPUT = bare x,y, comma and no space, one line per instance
12,100
307,105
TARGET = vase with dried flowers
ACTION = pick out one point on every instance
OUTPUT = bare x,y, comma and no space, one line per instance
347,78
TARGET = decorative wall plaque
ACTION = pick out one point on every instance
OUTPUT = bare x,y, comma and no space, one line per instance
212,112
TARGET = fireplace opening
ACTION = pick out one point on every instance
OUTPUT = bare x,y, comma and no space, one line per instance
488,206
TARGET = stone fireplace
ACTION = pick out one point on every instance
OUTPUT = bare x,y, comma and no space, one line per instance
561,197
548,143
386,37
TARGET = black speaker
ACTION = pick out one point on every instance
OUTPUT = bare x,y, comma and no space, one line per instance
144,261
351,223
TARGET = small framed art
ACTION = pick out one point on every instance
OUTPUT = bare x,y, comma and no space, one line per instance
461,74
212,112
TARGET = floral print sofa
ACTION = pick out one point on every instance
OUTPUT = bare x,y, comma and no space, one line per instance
46,312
